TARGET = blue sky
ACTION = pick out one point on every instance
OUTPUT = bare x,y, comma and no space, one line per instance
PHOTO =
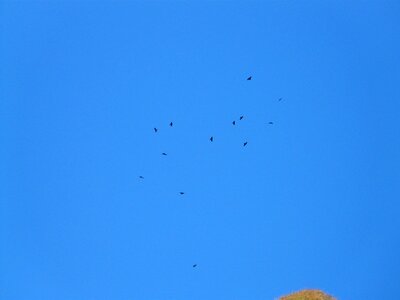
312,201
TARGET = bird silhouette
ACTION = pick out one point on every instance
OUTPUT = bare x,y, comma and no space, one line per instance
241,118
195,265
182,193
212,139
155,129
141,177
270,123
164,153
234,122
249,78
244,144
280,99
171,124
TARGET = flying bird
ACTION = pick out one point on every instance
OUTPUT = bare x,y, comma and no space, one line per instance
164,153
195,265
182,193
171,124
280,99
270,123
212,139
249,78
241,118
244,144
141,177
234,122
155,129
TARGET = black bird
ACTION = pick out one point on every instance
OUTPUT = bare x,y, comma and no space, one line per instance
170,124
164,153
141,177
270,123
244,144
234,122
195,265
182,193
212,139
155,129
241,117
249,78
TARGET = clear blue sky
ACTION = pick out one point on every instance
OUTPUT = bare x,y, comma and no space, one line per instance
311,202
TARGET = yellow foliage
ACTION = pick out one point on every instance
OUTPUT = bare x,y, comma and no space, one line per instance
308,295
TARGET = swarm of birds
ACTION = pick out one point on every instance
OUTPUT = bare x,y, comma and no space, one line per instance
211,140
